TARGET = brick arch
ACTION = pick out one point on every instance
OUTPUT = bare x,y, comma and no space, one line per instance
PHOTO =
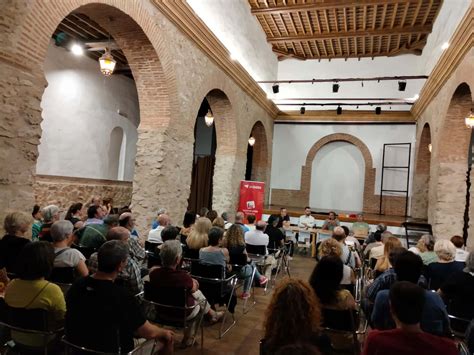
421,179
134,29
260,162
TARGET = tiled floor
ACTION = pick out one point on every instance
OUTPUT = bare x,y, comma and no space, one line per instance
244,337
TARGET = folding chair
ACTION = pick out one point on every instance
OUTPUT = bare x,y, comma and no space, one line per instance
238,262
153,259
344,322
150,246
304,240
216,286
168,306
86,251
280,256
73,349
63,277
257,253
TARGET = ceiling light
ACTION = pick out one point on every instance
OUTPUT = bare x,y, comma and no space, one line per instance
302,110
339,110
209,118
335,88
107,63
469,120
445,46
402,85
251,141
276,88
430,147
77,49
378,110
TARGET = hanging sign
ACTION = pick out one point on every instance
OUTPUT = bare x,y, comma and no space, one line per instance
252,195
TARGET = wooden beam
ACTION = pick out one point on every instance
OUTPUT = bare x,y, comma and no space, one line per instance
394,15
427,13
367,33
347,116
417,11
326,5
287,55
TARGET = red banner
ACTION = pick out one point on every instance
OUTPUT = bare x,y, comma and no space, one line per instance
252,195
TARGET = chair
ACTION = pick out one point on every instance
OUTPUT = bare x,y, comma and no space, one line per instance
238,261
28,321
168,306
73,349
150,246
344,322
153,259
217,287
63,277
304,240
191,253
86,251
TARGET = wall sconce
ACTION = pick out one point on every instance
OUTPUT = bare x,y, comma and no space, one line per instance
209,118
251,141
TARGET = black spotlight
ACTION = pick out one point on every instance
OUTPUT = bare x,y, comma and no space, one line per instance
335,87
339,110
402,85
378,110
276,88
302,110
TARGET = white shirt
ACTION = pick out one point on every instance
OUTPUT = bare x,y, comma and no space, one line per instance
461,255
250,226
306,221
256,237
376,252
68,258
154,236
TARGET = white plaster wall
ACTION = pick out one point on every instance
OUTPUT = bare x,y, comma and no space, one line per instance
292,142
337,178
80,110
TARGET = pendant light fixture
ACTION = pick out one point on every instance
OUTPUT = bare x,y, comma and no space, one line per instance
251,141
209,118
469,120
107,63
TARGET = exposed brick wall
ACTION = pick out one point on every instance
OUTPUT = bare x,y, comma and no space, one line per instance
261,159
391,205
419,203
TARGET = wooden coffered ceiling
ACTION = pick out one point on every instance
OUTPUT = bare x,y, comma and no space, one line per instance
326,29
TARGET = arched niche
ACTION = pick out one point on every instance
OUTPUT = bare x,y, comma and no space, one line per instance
421,179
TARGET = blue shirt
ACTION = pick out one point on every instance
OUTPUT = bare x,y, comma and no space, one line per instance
384,281
434,318
244,227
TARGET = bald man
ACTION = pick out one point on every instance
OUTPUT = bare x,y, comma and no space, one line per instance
348,257
258,237
154,236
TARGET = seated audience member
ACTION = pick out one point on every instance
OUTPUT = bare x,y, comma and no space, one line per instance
276,238
188,223
74,215
16,225
50,215
250,222
407,306
169,275
461,254
331,247
347,257
198,238
426,249
239,220
203,211
458,291
351,241
168,233
283,218
127,220
96,201
376,243
360,228
259,238
236,247
293,316
219,222
94,235
378,251
64,255
438,272
37,222
212,215
306,221
103,316
434,318
130,275
154,236
214,253
95,215
326,283
383,263
155,222
31,290
227,222
378,230
331,222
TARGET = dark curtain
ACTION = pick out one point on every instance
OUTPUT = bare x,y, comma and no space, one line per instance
201,184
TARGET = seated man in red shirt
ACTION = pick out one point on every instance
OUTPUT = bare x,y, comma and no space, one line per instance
406,306
170,276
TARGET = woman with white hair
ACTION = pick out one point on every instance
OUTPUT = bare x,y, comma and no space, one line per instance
458,291
425,249
438,272
50,215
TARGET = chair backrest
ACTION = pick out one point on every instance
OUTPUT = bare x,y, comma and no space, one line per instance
153,259
255,249
304,237
148,347
150,246
238,259
28,319
86,251
341,320
166,305
414,231
191,253
64,275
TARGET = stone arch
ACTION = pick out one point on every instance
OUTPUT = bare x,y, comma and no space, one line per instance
224,197
452,155
421,179
134,30
260,162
